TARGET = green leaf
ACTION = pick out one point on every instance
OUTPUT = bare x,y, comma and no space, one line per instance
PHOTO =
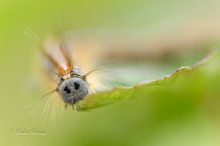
143,89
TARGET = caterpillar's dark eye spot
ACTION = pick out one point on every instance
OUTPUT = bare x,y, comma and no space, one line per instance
76,86
67,90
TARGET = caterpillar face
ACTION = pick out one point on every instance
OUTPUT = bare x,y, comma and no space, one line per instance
73,90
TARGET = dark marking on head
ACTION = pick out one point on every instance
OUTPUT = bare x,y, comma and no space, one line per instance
67,90
76,86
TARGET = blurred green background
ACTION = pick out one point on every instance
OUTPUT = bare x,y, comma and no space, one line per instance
176,115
